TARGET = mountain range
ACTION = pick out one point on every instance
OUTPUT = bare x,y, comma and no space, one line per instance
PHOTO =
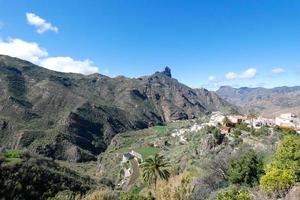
74,117
266,102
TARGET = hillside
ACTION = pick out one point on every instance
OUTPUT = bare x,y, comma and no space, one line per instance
74,117
201,161
268,102
27,176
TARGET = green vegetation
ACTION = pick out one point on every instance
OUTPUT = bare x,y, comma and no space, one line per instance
12,156
38,178
242,127
155,168
215,131
234,193
261,131
278,181
147,151
161,130
205,167
284,169
134,196
245,170
285,131
227,122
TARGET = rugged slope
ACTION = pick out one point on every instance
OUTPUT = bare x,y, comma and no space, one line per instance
268,102
74,117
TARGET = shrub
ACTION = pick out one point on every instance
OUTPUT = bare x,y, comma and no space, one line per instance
284,169
278,181
218,136
237,132
242,127
287,155
215,132
177,188
261,131
234,194
103,194
246,170
285,131
133,196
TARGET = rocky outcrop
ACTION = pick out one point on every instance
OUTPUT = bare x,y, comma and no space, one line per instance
294,193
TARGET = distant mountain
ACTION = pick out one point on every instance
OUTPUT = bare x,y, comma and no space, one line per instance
74,117
268,102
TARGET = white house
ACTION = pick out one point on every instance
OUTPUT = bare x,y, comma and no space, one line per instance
288,120
260,121
237,118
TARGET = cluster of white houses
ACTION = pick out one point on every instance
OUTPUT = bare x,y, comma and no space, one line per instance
286,120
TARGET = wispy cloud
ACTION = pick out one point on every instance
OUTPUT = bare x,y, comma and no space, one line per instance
212,78
231,76
32,52
40,23
247,74
278,70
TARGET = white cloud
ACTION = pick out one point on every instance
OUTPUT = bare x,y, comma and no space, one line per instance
68,64
30,51
231,75
211,78
34,53
247,74
40,23
277,70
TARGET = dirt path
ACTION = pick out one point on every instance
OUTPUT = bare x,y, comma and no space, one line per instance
135,173
17,141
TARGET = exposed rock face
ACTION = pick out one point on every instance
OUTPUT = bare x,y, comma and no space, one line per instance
294,193
268,102
74,117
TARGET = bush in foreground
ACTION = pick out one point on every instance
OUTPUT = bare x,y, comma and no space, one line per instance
234,193
284,169
246,170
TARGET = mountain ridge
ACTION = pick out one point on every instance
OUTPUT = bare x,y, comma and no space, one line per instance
265,101
74,117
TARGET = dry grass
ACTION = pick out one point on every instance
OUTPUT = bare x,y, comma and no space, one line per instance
103,194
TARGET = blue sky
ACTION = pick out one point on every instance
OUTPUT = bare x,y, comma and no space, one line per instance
206,43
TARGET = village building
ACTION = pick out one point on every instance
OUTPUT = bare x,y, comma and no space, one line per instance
132,155
126,157
237,118
288,120
261,121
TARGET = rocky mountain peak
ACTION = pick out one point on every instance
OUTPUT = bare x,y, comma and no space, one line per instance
167,72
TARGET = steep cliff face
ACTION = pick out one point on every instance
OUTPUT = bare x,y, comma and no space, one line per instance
74,117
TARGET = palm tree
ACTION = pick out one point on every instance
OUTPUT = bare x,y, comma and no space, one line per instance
155,167
227,122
